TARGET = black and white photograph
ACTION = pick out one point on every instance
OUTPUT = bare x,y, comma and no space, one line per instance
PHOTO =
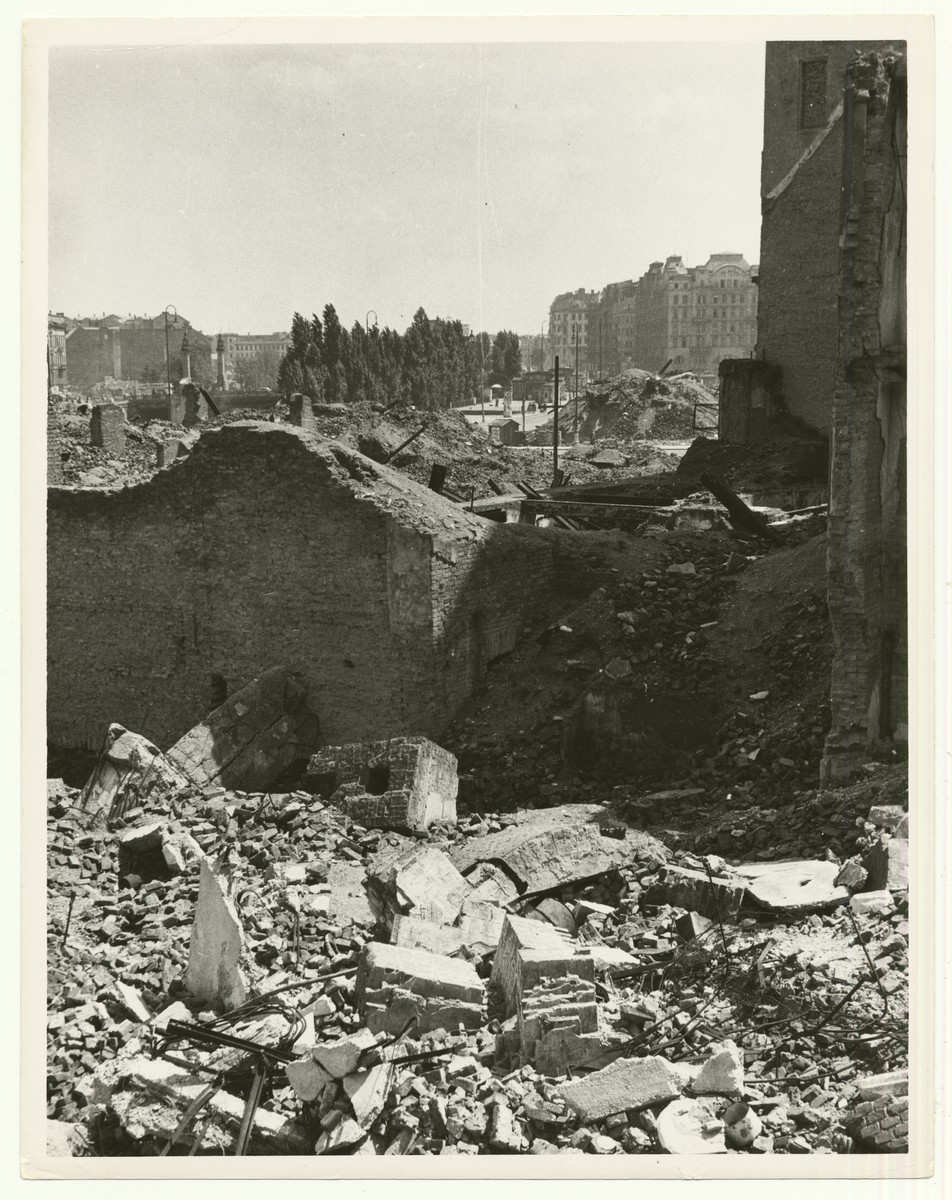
484,553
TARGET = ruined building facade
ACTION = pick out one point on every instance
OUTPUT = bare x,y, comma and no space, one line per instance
263,548
804,137
867,522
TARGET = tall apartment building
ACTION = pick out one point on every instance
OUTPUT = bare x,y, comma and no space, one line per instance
690,317
570,313
251,354
56,328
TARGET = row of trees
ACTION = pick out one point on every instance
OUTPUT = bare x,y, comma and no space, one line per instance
435,364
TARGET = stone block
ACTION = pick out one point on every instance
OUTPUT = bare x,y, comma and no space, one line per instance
308,1079
300,411
518,937
249,740
420,880
723,1073
403,783
130,770
480,926
216,949
794,887
411,931
394,982
887,866
866,903
624,1084
560,1050
892,1083
543,858
340,1059
886,816
693,890
367,1092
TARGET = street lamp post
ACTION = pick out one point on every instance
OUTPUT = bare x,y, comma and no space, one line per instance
367,320
542,364
168,367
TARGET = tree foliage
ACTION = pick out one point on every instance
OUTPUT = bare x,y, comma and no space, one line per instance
433,365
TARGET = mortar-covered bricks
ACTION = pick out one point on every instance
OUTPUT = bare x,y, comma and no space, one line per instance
403,783
107,428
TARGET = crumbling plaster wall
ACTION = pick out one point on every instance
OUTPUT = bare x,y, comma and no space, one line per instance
267,547
867,522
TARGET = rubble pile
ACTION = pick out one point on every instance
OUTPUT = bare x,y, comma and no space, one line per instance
258,973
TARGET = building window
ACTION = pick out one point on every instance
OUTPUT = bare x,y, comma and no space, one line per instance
813,106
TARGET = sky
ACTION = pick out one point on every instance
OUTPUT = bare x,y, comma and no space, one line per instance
245,183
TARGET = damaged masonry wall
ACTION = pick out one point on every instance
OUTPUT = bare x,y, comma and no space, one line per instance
867,522
267,546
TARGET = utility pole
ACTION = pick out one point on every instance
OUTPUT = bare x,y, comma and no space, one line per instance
575,429
168,366
555,426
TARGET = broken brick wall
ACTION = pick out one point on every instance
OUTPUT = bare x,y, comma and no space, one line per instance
266,547
866,556
800,200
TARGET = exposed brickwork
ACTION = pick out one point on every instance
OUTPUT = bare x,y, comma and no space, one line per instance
107,428
867,522
881,1126
405,783
266,547
797,310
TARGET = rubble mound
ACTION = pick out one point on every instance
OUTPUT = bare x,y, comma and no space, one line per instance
765,466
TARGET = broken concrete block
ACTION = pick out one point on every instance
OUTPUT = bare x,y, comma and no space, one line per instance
343,1136
864,903
887,866
346,883
250,739
412,931
544,858
626,1083
886,816
394,983
132,1001
339,1059
559,1050
64,1139
130,770
711,898
489,883
367,1092
480,926
403,783
216,949
420,880
692,925
794,887
504,1136
852,875
691,1127
723,1073
610,958
308,1078
892,1083
153,1095
519,936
